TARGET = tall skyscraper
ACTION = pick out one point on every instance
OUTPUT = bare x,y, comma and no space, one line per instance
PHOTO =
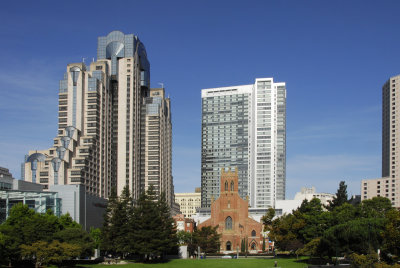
390,133
156,141
245,127
389,185
103,123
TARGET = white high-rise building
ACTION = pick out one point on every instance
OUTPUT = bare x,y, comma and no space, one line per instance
245,127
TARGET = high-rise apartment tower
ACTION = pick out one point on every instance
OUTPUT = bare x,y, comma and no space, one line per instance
102,124
245,127
390,131
389,185
156,141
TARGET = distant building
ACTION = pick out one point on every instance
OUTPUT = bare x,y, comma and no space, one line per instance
245,126
7,182
386,187
283,207
188,203
84,208
389,185
310,193
184,224
231,214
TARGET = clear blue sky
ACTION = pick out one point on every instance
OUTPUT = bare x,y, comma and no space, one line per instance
333,55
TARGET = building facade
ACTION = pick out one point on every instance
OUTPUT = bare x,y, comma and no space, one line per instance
385,187
188,203
390,127
231,214
245,126
183,223
156,151
101,128
310,193
388,185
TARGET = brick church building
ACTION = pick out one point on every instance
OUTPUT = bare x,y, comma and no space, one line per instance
231,213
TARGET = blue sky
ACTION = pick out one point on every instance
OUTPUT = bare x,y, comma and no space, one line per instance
333,55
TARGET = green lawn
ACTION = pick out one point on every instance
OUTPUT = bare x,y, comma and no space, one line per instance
214,263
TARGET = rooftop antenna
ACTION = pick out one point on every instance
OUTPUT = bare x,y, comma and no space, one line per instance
161,84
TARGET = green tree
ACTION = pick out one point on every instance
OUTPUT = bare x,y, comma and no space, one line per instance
291,231
122,217
268,218
153,232
360,236
184,238
286,229
25,226
363,261
107,231
144,226
310,249
67,222
207,238
376,207
43,252
167,230
76,236
263,246
340,198
391,235
243,246
342,214
95,235
311,214
3,249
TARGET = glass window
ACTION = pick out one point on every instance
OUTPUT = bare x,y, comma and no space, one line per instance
228,223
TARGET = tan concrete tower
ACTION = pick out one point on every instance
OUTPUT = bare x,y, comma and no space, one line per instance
157,144
98,141
390,131
389,185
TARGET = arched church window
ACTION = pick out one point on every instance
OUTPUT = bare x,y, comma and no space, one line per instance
228,223
232,186
226,186
253,233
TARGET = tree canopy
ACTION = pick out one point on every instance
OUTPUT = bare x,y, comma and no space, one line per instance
145,228
343,229
340,198
25,232
207,238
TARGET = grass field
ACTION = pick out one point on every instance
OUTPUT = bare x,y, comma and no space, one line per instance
214,263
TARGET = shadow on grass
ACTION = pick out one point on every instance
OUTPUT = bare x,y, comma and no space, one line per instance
150,261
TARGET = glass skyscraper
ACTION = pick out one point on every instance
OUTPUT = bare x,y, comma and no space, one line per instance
245,127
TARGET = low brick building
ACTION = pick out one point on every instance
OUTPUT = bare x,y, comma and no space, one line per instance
184,224
231,213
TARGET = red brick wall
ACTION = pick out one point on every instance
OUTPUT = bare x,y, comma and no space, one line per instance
230,204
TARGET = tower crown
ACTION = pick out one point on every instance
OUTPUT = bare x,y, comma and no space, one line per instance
229,180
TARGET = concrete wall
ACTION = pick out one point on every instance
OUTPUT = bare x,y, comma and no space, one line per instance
86,209
27,186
